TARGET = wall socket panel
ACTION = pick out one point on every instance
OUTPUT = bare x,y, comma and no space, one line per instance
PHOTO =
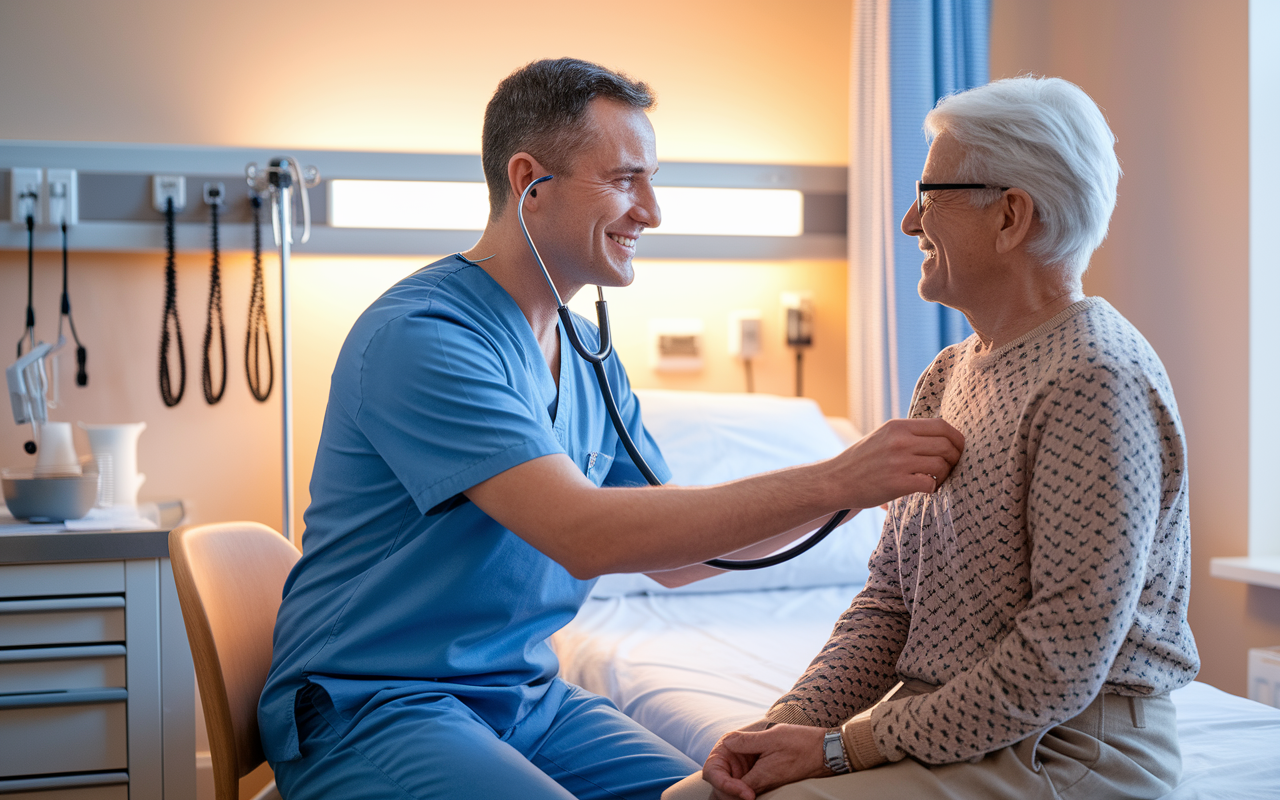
676,344
746,339
62,197
1264,675
166,187
25,191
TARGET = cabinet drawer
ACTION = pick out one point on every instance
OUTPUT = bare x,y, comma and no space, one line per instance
70,620
119,792
46,669
85,786
75,737
51,580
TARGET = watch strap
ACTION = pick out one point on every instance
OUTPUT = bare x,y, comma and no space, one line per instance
833,752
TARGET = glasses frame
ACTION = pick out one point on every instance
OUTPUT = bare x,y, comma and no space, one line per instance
922,187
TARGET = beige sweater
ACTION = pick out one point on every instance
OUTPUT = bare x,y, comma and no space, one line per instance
1053,564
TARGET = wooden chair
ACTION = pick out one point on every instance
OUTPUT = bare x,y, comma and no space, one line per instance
230,577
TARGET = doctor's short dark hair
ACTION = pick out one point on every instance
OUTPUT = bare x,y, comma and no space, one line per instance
539,110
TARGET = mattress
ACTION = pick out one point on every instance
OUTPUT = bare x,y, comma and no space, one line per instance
691,667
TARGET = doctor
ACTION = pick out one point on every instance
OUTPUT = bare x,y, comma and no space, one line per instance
468,487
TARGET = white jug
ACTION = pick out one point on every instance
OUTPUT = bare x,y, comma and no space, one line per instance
115,449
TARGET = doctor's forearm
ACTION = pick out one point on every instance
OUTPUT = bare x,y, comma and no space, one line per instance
594,531
696,572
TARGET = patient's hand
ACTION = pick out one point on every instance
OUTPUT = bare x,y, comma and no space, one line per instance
744,764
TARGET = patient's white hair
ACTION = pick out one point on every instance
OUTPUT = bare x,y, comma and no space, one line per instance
1048,138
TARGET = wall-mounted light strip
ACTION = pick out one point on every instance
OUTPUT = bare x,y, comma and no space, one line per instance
408,205
699,211
116,214
459,206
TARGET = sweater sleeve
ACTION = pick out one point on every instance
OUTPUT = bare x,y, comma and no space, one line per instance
1096,444
857,665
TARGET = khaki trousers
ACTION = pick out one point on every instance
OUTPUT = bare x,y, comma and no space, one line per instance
1118,747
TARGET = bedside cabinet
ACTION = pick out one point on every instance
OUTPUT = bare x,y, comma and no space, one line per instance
97,690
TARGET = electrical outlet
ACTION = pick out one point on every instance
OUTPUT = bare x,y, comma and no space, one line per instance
745,339
165,187
63,197
24,194
798,307
677,344
215,194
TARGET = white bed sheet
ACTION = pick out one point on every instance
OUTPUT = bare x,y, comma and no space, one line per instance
692,667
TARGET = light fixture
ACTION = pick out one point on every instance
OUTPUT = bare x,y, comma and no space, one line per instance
464,206
420,205
700,211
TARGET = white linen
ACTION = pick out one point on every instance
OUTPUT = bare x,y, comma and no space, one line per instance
692,667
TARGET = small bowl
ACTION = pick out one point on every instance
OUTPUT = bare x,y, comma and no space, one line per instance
54,498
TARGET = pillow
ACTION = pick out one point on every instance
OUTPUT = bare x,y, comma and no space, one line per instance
709,438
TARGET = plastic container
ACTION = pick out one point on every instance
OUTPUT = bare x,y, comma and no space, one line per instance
49,498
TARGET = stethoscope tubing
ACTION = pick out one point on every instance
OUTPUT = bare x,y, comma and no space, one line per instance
597,359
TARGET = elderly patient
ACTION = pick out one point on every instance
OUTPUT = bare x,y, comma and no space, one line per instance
1023,626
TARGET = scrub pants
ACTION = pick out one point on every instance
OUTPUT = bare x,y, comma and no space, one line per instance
434,746
1118,747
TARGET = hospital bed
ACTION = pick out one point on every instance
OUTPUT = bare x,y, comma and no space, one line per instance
693,663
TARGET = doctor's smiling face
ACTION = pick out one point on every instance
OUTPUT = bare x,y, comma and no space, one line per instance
589,217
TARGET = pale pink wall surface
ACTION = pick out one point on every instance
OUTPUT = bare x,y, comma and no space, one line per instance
1172,78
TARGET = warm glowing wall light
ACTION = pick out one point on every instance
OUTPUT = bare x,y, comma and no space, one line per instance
461,206
423,205
730,212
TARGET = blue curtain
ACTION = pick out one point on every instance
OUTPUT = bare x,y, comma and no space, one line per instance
937,47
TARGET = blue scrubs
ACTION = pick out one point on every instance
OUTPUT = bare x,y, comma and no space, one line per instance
410,654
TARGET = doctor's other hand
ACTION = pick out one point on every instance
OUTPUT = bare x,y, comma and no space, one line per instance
745,764
900,457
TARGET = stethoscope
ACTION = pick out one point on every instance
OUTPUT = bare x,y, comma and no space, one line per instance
597,358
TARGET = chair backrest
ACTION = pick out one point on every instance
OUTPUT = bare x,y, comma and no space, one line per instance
230,577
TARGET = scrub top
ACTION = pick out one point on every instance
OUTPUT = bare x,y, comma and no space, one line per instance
404,586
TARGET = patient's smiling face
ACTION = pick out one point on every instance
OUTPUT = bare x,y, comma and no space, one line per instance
956,238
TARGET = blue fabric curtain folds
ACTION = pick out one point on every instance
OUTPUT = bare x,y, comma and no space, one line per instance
937,47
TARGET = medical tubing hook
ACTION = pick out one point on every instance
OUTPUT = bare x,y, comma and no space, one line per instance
597,360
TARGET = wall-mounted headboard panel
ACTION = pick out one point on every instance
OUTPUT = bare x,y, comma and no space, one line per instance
116,212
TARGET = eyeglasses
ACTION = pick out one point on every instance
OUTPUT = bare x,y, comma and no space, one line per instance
922,187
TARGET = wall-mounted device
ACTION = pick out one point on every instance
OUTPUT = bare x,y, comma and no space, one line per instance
745,335
677,344
168,187
25,184
798,308
746,340
62,198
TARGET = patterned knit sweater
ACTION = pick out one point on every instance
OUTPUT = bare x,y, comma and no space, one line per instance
1053,564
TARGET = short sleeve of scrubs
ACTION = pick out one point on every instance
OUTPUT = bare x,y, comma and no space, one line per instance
446,403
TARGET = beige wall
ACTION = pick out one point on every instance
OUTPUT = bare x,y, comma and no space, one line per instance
1172,77
757,85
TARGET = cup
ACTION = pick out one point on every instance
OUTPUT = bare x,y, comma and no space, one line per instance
115,449
55,455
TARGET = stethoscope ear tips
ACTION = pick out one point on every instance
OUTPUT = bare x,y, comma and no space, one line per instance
533,192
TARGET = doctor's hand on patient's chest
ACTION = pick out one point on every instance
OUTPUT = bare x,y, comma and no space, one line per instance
746,764
900,457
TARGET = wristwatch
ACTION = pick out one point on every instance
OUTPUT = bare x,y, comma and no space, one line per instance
833,752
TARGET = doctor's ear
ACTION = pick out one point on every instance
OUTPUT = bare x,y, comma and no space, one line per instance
522,170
